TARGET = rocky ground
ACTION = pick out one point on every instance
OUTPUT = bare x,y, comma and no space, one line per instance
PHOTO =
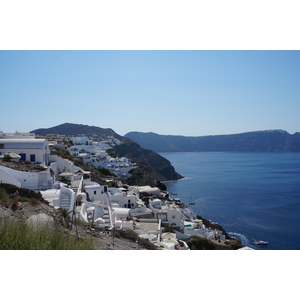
24,166
102,240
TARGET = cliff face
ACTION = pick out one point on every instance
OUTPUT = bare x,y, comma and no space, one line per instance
161,168
258,141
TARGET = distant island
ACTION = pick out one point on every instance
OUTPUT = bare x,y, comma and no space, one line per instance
257,141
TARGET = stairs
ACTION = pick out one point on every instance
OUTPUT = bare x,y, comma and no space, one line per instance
75,185
106,217
65,200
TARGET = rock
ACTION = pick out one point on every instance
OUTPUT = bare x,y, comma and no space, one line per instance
40,221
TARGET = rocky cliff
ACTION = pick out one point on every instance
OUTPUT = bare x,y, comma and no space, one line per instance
161,168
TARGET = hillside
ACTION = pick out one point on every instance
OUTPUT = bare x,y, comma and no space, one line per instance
70,129
257,141
159,167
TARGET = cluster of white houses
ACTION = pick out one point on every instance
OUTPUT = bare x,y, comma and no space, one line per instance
144,209
94,154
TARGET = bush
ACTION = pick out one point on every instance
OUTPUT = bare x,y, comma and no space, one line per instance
3,196
106,172
147,244
131,235
167,228
32,201
200,243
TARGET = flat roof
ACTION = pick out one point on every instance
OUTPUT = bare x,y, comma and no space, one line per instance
23,141
147,226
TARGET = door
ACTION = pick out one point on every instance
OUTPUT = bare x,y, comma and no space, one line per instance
23,156
32,157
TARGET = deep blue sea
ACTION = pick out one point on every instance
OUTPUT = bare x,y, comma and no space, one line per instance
253,196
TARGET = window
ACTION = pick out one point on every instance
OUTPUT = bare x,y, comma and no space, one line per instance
173,217
1,146
95,192
32,157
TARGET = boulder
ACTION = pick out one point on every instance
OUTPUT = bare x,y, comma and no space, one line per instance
40,221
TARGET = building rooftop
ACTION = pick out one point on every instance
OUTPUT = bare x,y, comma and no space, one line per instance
147,226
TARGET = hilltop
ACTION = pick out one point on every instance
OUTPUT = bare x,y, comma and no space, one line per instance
257,141
70,129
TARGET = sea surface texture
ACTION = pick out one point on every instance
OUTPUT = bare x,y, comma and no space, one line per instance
253,196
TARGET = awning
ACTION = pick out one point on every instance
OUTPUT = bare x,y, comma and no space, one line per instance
10,155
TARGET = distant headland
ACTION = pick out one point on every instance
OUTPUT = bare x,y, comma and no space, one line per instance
256,141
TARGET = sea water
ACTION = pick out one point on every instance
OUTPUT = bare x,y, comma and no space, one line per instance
253,196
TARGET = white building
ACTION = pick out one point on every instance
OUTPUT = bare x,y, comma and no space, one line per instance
34,150
123,198
172,216
60,165
31,180
148,191
17,135
92,155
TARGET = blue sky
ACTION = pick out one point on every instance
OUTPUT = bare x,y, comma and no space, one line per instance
190,93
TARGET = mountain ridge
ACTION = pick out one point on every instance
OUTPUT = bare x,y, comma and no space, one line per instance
74,129
277,140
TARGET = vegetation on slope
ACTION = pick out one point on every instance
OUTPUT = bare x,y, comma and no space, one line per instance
202,243
16,234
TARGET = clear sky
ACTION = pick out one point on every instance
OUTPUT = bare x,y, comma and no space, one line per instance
178,89
190,93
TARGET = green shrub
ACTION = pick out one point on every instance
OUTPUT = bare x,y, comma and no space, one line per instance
147,244
167,228
32,201
200,243
106,172
131,235
3,196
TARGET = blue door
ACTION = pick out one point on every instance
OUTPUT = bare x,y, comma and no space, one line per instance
23,156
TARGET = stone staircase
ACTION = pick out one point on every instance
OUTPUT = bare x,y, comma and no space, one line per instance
65,200
75,185
106,217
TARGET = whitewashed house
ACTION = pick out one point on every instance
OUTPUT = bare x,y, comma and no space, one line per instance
61,167
17,135
34,150
96,191
148,191
31,180
123,198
